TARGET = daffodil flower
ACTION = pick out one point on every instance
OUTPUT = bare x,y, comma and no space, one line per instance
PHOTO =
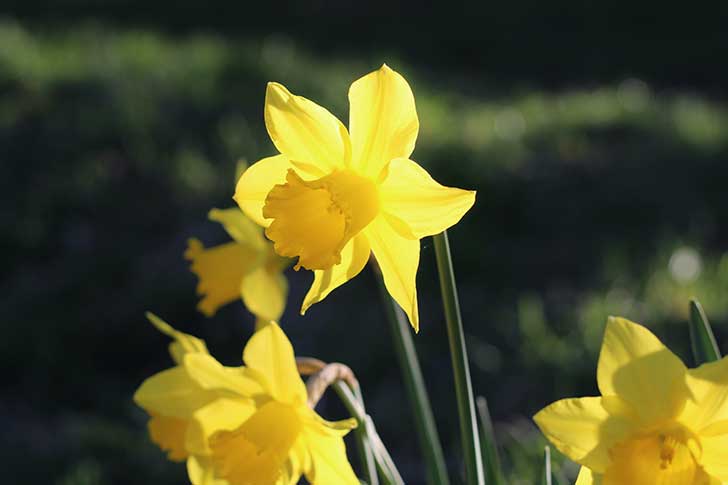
332,196
247,267
247,425
656,422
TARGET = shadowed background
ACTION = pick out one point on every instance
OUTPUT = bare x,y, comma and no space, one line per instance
596,136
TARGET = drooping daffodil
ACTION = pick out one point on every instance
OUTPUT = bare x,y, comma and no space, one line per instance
246,425
246,267
656,421
332,196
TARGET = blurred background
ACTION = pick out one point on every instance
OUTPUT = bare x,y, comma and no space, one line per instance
596,134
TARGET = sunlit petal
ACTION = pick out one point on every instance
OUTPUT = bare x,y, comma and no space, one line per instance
219,415
382,119
201,471
173,393
583,430
209,374
398,258
329,463
264,293
637,367
240,227
270,352
354,257
183,343
708,403
304,131
425,206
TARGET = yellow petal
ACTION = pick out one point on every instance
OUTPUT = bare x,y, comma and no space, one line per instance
426,207
219,415
708,404
255,183
209,374
382,119
256,452
183,343
172,393
398,258
270,352
583,430
220,270
714,456
201,471
304,131
264,293
587,477
242,229
637,367
354,257
169,434
329,463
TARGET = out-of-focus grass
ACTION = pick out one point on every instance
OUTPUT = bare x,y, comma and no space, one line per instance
592,201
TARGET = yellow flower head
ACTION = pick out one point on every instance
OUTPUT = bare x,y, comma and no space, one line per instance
247,425
332,196
246,267
656,422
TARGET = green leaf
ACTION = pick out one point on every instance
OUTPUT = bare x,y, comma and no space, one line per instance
705,348
488,445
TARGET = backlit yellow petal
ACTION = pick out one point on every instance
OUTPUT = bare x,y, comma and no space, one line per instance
428,208
398,258
183,343
256,452
329,463
382,120
209,374
255,183
304,131
637,367
714,459
264,293
354,257
270,352
583,430
169,434
219,415
172,393
201,471
586,477
241,228
220,270
708,403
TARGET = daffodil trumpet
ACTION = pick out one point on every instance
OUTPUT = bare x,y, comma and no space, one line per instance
655,422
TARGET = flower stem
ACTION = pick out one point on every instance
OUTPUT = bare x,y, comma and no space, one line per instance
415,386
459,355
382,462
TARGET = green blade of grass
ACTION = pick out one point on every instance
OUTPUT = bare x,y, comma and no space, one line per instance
488,445
705,348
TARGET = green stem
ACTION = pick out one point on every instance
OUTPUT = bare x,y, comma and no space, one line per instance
415,387
459,355
382,461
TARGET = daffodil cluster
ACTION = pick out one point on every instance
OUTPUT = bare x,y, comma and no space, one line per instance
656,421
246,425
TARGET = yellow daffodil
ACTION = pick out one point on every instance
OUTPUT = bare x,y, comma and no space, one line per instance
332,196
248,267
247,425
655,423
